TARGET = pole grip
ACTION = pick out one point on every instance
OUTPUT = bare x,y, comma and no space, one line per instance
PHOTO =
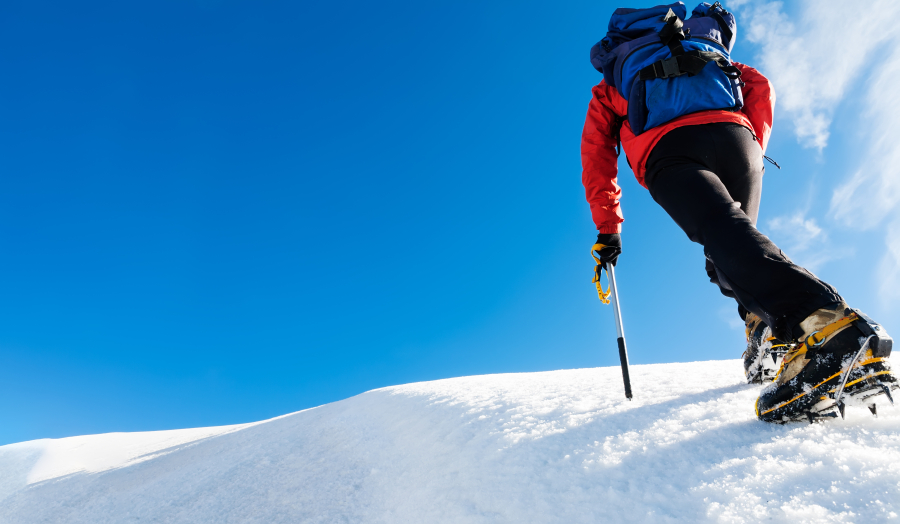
623,358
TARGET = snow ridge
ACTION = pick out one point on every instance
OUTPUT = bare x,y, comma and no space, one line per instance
560,446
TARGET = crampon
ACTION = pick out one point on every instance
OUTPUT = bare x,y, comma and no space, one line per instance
764,353
761,364
857,386
841,363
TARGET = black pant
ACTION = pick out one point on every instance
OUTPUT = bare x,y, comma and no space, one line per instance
708,178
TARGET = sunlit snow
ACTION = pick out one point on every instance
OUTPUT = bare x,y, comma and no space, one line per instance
560,446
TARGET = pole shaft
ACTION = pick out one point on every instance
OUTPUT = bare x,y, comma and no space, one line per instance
620,330
611,271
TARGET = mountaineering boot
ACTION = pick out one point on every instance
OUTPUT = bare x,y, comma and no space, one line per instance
841,357
764,351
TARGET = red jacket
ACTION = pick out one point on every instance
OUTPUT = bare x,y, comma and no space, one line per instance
598,141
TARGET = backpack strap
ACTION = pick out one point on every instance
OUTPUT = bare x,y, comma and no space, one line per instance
682,62
689,63
672,33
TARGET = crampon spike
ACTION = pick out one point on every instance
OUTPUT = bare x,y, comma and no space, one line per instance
874,410
887,392
838,395
815,417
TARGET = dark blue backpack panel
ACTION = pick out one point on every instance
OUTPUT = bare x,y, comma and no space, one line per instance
723,32
635,60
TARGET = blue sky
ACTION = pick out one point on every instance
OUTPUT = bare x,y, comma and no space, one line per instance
215,212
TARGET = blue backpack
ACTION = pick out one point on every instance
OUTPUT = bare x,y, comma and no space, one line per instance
666,66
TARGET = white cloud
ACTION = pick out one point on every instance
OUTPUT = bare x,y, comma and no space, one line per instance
728,316
873,192
889,268
803,240
813,57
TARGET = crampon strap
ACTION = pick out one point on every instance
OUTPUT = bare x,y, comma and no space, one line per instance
604,295
817,338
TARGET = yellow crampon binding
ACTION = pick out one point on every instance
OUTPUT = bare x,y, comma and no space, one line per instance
604,295
816,339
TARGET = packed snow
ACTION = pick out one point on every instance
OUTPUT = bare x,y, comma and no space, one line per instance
559,446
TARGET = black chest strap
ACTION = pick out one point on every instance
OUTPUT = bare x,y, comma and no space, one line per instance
682,62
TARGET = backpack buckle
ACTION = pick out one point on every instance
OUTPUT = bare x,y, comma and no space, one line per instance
662,69
669,68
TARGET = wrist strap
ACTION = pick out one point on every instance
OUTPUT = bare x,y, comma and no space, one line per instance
604,295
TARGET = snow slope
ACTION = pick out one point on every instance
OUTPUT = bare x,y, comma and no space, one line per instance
560,446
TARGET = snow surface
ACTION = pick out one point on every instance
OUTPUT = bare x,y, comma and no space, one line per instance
560,446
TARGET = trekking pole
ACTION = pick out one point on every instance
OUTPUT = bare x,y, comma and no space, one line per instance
620,331
612,294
